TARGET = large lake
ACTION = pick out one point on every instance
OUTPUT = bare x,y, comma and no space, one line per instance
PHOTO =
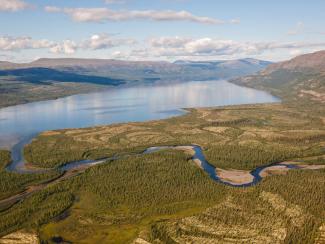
120,105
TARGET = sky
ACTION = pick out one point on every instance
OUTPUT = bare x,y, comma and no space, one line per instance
166,30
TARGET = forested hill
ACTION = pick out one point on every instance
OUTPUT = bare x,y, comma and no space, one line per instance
300,79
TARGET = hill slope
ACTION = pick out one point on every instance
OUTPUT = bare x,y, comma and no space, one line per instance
299,79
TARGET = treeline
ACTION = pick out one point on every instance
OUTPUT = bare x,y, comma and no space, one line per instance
5,159
234,122
149,181
35,210
302,139
166,183
12,183
163,183
40,153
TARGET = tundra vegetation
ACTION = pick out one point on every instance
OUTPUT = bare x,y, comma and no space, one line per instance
164,197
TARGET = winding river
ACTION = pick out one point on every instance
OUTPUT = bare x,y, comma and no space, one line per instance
19,124
74,168
197,156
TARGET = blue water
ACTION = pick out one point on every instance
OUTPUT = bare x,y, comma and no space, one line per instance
120,105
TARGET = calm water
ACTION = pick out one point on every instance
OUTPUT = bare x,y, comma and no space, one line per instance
120,105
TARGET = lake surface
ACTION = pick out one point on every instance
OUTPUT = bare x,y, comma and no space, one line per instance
120,105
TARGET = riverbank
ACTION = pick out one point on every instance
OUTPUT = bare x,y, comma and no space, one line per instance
235,178
256,133
250,136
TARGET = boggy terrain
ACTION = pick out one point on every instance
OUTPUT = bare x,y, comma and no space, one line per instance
237,137
161,197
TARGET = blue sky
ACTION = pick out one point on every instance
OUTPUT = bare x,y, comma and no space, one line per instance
161,29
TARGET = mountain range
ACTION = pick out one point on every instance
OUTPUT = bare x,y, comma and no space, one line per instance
53,78
300,78
144,70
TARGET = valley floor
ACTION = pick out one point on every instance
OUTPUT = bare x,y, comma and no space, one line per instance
163,197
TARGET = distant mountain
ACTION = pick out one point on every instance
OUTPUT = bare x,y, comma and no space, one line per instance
227,63
143,70
300,78
52,78
44,76
229,68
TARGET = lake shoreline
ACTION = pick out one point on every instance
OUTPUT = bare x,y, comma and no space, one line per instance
96,89
121,105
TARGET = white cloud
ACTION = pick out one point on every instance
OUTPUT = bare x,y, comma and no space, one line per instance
296,52
174,42
95,42
161,48
8,43
173,47
13,5
66,47
105,14
104,41
212,47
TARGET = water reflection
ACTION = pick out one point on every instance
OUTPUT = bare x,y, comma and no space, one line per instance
121,105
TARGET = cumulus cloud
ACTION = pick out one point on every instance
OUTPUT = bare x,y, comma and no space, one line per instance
167,42
8,43
13,5
210,47
104,41
66,47
95,42
105,14
160,47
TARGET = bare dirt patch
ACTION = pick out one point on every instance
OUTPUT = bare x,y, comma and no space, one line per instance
274,170
20,237
50,133
316,96
320,239
235,177
216,129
